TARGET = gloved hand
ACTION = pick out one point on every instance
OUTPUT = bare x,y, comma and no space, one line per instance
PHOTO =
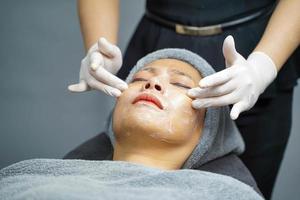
97,70
239,84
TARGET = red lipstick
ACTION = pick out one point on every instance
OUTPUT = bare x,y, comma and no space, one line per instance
150,98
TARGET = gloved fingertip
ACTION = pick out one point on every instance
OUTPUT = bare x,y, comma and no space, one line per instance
234,115
229,38
196,104
115,93
94,66
122,86
203,83
102,40
72,88
193,105
79,87
104,43
191,92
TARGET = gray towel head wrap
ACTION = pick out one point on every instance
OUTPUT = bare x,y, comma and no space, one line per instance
220,135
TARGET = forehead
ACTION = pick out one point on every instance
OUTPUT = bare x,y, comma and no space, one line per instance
172,65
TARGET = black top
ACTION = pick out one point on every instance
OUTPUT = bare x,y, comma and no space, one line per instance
100,148
204,12
210,12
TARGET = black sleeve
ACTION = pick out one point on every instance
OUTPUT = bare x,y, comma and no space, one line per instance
232,166
96,148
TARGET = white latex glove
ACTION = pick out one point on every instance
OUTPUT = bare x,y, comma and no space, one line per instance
97,70
239,84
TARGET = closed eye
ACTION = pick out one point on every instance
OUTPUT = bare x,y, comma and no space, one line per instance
138,79
176,84
182,85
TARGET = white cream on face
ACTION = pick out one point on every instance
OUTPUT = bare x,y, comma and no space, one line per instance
178,119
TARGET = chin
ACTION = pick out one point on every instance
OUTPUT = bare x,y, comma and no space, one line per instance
159,130
138,122
143,120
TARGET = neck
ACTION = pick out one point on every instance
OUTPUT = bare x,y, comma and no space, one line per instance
146,160
171,157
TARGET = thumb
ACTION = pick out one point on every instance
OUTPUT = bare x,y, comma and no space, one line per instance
230,54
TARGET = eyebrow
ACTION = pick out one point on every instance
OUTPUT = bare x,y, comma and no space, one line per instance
150,69
181,73
175,71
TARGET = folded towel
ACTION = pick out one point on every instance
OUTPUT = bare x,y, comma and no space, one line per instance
78,179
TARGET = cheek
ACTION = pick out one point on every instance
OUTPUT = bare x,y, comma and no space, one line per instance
121,107
180,102
127,96
182,114
185,114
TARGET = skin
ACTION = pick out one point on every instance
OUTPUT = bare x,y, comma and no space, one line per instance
282,35
148,135
98,18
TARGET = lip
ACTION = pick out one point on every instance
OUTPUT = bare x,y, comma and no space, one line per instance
149,98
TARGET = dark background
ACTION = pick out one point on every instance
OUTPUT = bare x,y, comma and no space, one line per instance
40,53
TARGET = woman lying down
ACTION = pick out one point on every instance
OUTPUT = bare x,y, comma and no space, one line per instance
156,145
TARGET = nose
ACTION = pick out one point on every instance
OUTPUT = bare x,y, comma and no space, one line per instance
154,84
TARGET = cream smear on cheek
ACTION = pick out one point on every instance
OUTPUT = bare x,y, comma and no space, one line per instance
187,117
169,118
165,117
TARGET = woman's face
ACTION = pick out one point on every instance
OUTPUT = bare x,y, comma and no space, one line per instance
156,104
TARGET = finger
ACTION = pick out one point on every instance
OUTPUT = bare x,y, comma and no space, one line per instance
108,78
211,91
217,78
214,101
237,109
229,51
107,48
104,88
96,60
79,87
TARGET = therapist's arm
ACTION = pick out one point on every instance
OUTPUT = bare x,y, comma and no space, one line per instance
98,18
244,80
282,35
